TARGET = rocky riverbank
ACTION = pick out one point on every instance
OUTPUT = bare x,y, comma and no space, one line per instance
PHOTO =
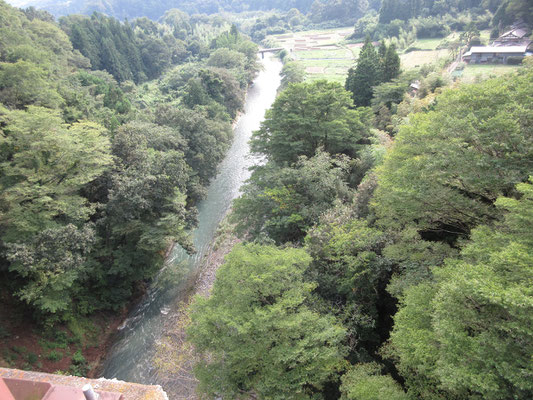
175,357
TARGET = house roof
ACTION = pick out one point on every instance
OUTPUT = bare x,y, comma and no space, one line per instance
519,33
497,49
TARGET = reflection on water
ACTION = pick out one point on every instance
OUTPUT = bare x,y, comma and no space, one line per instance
130,358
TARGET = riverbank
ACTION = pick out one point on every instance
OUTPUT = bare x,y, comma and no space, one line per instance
74,348
175,357
153,321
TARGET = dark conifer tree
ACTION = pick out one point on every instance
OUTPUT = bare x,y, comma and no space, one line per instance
365,75
391,64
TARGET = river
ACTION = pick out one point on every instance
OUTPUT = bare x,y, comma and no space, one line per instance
131,356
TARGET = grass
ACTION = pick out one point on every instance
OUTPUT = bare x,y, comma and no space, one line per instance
416,59
334,62
329,77
346,63
427,44
485,36
333,70
471,73
84,331
19,350
323,54
9,356
50,345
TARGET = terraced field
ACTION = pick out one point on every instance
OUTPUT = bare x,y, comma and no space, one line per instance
323,54
329,54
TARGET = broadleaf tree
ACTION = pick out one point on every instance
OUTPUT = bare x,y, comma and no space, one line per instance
258,334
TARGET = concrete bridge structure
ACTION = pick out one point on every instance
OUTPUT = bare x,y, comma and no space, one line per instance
273,50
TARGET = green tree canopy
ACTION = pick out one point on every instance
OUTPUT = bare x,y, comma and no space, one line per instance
468,334
391,64
307,116
283,203
257,331
448,166
291,72
365,382
44,163
351,274
51,268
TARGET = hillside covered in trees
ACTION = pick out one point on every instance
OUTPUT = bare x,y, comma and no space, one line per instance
101,167
379,270
386,240
386,236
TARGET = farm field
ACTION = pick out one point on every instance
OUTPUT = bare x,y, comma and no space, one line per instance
324,54
417,58
327,54
427,44
472,73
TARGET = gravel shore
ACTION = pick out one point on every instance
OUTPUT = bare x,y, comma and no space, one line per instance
175,357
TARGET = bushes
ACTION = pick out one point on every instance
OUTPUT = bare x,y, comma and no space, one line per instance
515,60
54,355
427,28
78,365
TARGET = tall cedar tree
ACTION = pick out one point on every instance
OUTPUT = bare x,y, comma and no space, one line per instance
365,75
373,67
391,64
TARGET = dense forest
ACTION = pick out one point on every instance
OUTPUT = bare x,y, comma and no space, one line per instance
101,167
371,268
379,19
154,9
386,238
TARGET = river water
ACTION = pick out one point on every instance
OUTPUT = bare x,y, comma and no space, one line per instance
131,357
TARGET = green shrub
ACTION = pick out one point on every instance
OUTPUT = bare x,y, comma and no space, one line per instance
19,349
514,60
9,356
4,333
78,358
54,355
78,370
31,358
61,338
78,365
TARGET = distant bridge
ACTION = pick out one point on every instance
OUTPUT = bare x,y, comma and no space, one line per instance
273,50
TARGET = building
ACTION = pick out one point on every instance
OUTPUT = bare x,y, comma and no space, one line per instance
514,37
495,54
513,43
